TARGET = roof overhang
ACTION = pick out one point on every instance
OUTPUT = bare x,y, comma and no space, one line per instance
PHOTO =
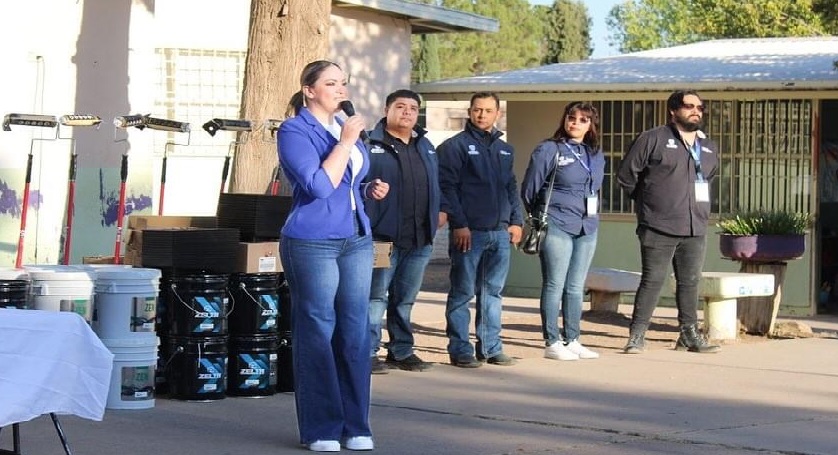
425,18
727,65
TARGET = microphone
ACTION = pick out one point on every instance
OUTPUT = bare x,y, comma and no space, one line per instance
348,109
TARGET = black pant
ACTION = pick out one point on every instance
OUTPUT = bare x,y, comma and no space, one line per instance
657,251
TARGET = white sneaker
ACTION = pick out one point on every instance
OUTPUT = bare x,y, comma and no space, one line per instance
558,351
359,443
581,351
324,446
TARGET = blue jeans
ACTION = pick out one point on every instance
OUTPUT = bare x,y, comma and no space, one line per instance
480,271
565,260
657,251
329,282
394,289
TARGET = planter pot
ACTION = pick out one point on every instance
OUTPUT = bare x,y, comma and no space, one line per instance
762,248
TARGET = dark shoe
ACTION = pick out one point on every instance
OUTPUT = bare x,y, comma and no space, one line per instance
466,362
636,344
693,340
409,363
379,366
498,359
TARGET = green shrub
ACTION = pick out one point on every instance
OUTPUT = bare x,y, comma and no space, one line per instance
765,222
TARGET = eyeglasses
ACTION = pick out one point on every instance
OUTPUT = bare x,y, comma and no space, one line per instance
690,106
571,118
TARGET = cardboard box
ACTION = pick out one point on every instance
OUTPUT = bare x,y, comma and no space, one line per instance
381,252
258,257
140,222
97,260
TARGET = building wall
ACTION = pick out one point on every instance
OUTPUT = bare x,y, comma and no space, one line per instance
102,57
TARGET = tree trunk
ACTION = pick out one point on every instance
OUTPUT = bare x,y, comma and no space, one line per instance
757,315
284,36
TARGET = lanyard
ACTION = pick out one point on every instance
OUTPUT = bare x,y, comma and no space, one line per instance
695,151
586,166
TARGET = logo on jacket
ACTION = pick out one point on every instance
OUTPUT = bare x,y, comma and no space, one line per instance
472,150
670,144
565,160
376,149
431,152
505,153
705,149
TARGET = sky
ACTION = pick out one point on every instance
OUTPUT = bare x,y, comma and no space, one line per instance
598,10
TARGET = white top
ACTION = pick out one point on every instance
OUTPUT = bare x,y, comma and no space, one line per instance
51,362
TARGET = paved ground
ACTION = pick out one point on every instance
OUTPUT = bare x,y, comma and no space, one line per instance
758,396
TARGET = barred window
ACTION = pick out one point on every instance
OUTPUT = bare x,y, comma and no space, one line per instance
765,151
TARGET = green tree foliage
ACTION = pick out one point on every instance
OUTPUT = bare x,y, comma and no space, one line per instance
645,24
828,12
425,50
517,44
567,36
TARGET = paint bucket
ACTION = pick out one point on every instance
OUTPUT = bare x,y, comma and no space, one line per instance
196,305
284,364
197,369
132,377
62,288
126,302
251,370
14,288
254,304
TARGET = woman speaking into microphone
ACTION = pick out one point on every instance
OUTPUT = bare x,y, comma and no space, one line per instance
327,256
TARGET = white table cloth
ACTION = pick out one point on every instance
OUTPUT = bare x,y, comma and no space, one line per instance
51,362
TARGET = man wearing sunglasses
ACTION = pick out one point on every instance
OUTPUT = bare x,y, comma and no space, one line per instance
667,172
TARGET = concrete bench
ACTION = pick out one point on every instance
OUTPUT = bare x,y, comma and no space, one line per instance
719,290
605,286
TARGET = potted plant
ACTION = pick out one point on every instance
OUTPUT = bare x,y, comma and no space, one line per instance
763,236
763,241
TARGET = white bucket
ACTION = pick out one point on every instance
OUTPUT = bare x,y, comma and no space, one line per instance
126,302
132,377
62,288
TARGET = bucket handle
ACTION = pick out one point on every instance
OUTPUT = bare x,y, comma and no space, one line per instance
174,291
243,287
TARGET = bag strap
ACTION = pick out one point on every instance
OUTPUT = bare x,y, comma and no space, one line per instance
550,187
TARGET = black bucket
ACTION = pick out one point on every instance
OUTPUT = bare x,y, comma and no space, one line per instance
284,364
252,368
254,304
13,294
161,387
197,369
284,322
197,305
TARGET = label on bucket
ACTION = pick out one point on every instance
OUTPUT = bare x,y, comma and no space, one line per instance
144,314
137,383
255,371
79,306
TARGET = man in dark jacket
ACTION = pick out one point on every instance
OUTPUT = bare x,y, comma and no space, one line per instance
667,172
402,156
483,210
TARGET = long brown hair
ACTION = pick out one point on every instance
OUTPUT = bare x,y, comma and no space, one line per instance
591,138
311,73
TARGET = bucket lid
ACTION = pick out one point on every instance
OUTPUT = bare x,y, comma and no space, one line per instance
60,273
123,273
13,274
139,342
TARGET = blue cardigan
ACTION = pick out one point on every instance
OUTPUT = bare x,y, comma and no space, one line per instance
319,210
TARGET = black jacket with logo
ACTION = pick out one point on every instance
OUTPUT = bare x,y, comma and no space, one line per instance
479,190
659,174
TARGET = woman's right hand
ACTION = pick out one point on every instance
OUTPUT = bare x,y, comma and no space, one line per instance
351,130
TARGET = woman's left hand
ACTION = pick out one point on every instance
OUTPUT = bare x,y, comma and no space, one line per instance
378,189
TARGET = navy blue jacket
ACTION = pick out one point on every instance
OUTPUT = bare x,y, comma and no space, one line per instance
573,183
318,210
479,190
385,215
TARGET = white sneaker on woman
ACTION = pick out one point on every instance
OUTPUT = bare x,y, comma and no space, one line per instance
359,443
324,445
584,353
558,351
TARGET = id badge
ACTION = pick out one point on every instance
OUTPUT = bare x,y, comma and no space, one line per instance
591,205
702,192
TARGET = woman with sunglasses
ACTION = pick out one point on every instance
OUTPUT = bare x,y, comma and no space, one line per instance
573,159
